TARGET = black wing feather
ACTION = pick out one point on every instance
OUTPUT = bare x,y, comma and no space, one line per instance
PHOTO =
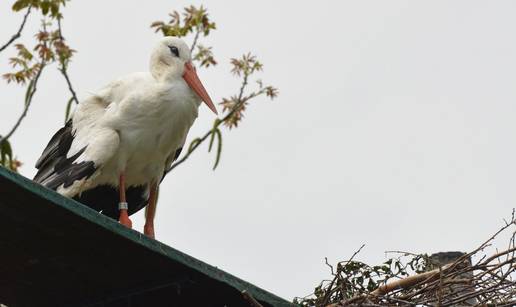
176,155
54,168
58,145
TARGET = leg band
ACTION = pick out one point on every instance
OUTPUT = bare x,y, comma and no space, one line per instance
122,206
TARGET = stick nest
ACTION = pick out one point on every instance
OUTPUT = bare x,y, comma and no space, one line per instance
483,277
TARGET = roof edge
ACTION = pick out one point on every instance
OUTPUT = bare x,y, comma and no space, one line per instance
138,238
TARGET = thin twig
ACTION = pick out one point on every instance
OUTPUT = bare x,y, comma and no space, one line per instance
356,253
64,69
28,102
328,293
20,29
195,40
329,265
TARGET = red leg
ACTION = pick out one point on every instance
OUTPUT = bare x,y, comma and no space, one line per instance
122,206
150,211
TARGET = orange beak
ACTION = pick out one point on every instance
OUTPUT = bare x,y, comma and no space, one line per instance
191,78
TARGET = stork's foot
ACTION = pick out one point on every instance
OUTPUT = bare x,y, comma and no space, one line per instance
124,216
126,221
148,230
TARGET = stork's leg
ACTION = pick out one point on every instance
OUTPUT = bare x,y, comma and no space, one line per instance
122,206
150,211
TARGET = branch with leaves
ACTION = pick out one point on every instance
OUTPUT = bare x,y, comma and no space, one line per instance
28,64
196,22
233,107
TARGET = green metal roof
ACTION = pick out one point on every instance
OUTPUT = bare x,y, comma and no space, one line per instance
57,252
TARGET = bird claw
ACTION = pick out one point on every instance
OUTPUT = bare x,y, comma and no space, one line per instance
126,222
148,230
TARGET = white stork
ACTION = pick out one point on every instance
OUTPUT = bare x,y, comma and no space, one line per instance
112,154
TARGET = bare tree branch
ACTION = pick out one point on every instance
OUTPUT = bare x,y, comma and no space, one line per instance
64,69
31,90
192,48
18,33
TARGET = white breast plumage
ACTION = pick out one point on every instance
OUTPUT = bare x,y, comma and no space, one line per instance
149,138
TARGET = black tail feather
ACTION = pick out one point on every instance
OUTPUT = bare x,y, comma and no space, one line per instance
105,199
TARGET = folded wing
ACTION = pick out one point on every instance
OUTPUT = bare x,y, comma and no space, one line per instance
78,151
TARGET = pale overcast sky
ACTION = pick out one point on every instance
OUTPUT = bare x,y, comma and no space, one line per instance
394,127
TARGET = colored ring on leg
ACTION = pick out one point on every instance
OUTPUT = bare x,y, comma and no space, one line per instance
123,206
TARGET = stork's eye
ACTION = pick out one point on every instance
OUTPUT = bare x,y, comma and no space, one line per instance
174,50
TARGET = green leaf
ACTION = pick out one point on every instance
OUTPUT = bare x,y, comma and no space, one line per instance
212,138
193,144
216,123
20,5
45,6
28,93
219,148
6,152
68,107
54,9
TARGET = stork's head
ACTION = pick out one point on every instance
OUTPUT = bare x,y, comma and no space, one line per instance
171,59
